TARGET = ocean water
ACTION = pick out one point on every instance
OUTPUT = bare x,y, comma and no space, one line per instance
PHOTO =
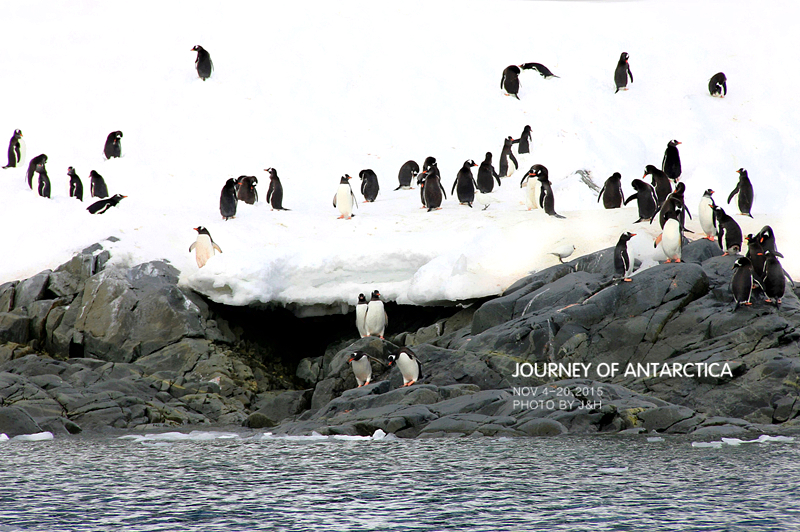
211,481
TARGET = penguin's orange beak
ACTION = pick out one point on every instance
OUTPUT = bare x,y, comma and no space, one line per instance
351,359
633,234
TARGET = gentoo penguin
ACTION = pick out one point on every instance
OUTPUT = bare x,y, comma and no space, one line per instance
767,239
275,191
730,234
745,190
75,184
510,81
113,147
361,315
622,72
203,247
36,161
362,368
228,200
507,169
408,173
344,199
547,200
755,253
369,185
660,182
533,188
671,164
203,63
466,184
671,238
612,192
540,68
433,191
717,85
16,150
673,203
742,281
773,282
376,319
563,252
429,164
708,218
44,181
247,192
623,265
408,363
524,140
487,175
97,185
646,199
101,206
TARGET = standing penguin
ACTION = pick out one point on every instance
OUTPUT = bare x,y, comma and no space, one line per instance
344,199
646,199
203,62
742,281
671,164
671,238
675,203
228,200
507,169
44,181
767,239
540,68
730,234
203,247
429,164
246,185
487,175
612,192
524,141
362,367
745,190
361,315
369,185
433,191
408,364
16,150
101,206
708,218
75,185
755,252
660,182
510,81
113,147
376,319
408,172
275,191
774,280
465,183
36,161
717,85
623,265
547,200
97,185
533,188
622,72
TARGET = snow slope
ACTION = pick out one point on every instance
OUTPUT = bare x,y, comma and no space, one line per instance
318,90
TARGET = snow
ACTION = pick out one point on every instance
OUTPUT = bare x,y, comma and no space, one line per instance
318,90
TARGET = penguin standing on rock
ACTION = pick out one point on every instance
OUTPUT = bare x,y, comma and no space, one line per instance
44,181
101,206
622,72
465,183
524,140
671,164
774,280
75,185
408,172
646,199
246,189
203,247
228,200
660,182
275,191
745,190
675,203
767,239
97,185
547,200
487,175
433,191
612,192
408,364
742,281
369,185
16,150
376,319
361,315
506,155
510,81
36,161
755,253
113,147
623,265
362,367
203,62
344,199
717,85
708,218
671,238
730,234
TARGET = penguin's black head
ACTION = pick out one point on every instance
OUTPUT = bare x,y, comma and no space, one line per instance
765,233
708,192
344,179
391,359
742,262
624,237
376,295
650,169
70,171
363,173
488,158
429,161
526,129
362,298
356,355
116,198
680,188
202,230
198,48
616,175
17,132
623,57
468,163
673,143
741,172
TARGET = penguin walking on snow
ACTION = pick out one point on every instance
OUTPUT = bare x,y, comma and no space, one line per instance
524,140
540,68
533,188
228,200
376,319
246,189
36,161
113,147
361,315
708,218
408,173
44,181
671,238
745,190
623,264
612,192
508,163
717,85
75,185
203,247
344,199
203,62
275,191
671,164
369,185
622,72
742,281
660,182
101,206
487,175
730,234
646,199
16,150
510,81
466,183
408,364
97,185
362,367
433,191
547,200
427,167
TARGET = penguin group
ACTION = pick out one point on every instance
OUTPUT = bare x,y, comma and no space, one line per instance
759,271
404,359
371,316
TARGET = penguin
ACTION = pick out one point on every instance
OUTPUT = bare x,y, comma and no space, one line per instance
774,280
717,85
430,163
101,206
369,185
540,68
44,181
533,188
671,238
671,164
730,234
32,164
362,368
755,253
563,252
246,189
75,185
674,203
203,62
16,150
344,199
622,72
623,264
547,200
433,191
708,218
510,81
275,191
766,238
203,247
742,281
408,364
612,192
113,148
745,190
507,169
524,140
487,175
228,200
361,315
408,172
646,199
376,320
660,182
97,185
466,184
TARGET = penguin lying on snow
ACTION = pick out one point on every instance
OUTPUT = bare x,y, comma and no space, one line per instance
540,68
203,62
203,247
16,150
113,147
717,85
408,364
744,188
99,207
344,199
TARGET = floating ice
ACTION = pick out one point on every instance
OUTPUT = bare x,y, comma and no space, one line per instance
3,436
612,470
39,436
712,444
195,435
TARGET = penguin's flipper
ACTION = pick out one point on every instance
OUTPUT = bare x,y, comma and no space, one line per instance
788,276
379,361
352,195
556,215
192,246
454,187
600,195
255,192
721,236
631,198
514,160
334,200
732,194
630,73
214,244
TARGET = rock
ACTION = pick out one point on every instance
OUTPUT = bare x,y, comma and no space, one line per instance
661,419
14,327
542,427
15,421
280,406
7,296
30,290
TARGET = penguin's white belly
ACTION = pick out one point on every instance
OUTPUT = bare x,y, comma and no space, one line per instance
409,368
671,239
361,316
375,322
344,201
532,189
21,152
362,369
707,218
203,250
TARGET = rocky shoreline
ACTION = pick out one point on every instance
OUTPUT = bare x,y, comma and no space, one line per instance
92,347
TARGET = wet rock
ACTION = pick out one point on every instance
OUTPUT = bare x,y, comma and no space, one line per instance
15,421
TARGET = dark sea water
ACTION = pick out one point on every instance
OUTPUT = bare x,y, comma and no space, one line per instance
205,482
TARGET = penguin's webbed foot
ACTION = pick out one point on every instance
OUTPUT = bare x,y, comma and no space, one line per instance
667,261
627,280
